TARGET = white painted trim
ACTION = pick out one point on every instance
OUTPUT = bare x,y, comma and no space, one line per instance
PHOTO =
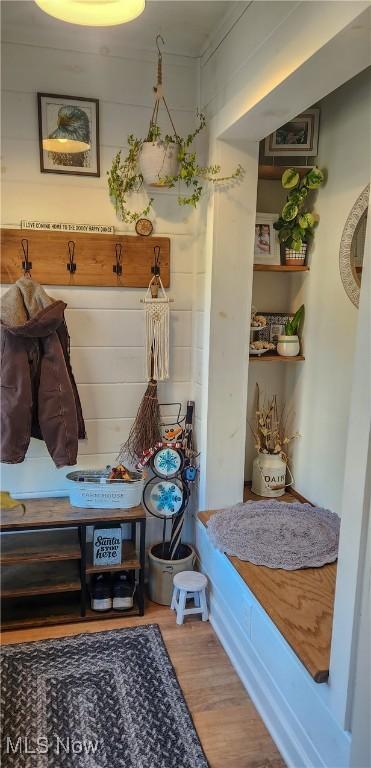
223,29
355,511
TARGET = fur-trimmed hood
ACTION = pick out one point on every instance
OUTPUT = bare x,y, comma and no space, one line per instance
27,310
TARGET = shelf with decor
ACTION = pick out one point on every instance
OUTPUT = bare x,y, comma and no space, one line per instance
280,268
47,562
268,172
274,358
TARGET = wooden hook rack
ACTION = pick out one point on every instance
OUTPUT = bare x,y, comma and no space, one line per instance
93,255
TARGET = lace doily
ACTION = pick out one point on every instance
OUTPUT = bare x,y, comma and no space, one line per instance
277,534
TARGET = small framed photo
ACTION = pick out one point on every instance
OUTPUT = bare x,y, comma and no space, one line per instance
275,326
68,134
298,137
266,245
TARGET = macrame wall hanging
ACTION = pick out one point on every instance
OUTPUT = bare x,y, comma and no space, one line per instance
146,429
157,311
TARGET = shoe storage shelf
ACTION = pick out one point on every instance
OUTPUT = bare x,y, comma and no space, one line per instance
47,562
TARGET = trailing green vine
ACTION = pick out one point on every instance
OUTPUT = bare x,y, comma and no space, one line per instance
125,177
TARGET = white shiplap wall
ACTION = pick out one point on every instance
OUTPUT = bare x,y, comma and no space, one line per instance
106,325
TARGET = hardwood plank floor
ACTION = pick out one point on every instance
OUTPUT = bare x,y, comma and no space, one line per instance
231,732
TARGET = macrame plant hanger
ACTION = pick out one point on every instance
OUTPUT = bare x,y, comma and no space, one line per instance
159,95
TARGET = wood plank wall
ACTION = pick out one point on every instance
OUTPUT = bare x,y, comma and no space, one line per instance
106,325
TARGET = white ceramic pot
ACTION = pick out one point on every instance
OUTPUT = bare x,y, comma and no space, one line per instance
158,160
162,571
269,475
288,346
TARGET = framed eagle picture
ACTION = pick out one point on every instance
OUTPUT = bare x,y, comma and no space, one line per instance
68,134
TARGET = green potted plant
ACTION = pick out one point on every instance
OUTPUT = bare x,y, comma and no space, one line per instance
160,162
288,343
296,223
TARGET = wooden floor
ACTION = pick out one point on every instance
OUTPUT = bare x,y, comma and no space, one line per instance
300,603
231,732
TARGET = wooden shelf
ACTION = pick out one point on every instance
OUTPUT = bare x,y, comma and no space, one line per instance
46,559
280,268
129,559
274,172
40,610
275,358
40,578
47,610
36,546
96,615
300,603
45,513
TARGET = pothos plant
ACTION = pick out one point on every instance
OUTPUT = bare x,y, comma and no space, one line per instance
296,223
125,176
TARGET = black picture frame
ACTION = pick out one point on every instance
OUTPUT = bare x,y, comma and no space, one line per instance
47,164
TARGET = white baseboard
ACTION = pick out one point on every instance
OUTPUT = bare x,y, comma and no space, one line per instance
259,688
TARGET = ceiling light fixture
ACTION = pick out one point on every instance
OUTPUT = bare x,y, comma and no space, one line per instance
93,13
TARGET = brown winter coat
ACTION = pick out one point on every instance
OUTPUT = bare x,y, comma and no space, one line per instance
39,396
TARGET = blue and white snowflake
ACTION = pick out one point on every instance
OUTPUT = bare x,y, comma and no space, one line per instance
168,499
167,462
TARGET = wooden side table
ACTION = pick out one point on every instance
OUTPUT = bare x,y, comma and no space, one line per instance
46,562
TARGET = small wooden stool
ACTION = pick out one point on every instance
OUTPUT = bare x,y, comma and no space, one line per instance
189,584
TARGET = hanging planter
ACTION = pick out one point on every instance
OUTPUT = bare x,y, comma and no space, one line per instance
158,160
161,161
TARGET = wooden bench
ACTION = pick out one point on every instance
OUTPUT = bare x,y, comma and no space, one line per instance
300,603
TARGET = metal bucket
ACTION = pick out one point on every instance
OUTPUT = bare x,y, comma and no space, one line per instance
162,572
269,475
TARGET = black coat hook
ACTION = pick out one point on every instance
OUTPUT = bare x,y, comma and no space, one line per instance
26,265
156,261
71,266
117,268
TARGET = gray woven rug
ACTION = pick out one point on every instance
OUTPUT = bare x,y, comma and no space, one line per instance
277,534
103,700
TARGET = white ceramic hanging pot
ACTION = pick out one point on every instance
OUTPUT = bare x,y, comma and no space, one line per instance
158,160
269,475
288,346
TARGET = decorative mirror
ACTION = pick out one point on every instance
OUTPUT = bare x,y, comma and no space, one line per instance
352,246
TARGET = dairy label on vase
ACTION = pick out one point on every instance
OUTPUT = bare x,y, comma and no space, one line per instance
269,475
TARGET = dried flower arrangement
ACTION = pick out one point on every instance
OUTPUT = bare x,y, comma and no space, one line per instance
271,429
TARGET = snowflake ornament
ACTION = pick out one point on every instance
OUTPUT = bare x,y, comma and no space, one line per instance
167,498
167,462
